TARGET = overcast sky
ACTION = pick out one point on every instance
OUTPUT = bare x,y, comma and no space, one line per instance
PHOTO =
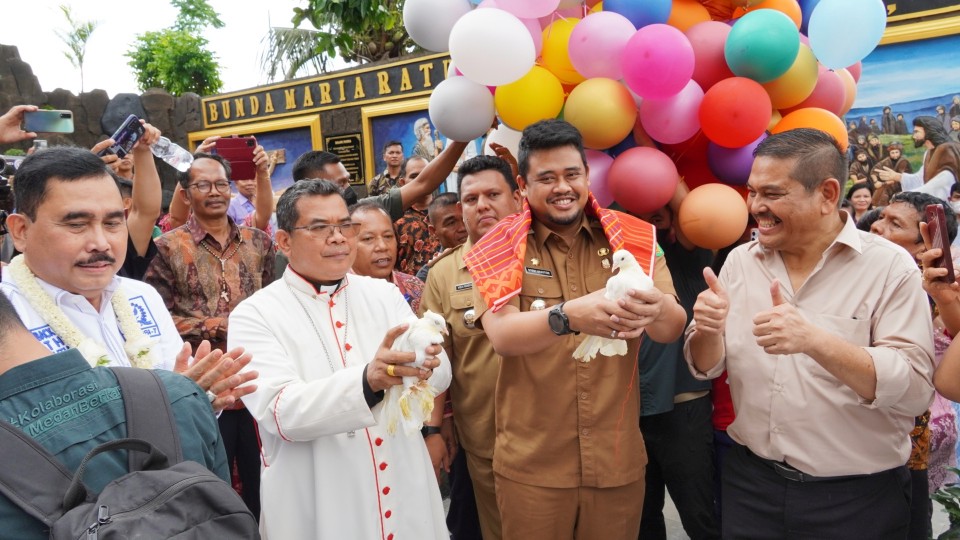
32,28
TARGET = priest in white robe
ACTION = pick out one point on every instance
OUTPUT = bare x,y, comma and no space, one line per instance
320,341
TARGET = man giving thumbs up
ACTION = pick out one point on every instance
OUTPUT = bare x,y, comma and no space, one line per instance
825,335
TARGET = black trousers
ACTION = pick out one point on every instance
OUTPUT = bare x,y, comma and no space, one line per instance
759,504
462,519
240,441
680,459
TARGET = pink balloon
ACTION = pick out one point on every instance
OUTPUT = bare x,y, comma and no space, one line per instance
856,70
707,39
675,119
657,61
597,42
829,94
530,9
643,179
536,32
599,164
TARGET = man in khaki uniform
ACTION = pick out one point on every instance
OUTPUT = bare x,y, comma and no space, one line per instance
488,193
569,457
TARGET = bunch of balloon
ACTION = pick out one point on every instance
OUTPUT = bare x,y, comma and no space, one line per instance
662,91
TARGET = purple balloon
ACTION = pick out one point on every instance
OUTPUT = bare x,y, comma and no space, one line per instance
599,164
732,165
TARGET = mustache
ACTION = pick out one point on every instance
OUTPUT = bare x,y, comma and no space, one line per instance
99,257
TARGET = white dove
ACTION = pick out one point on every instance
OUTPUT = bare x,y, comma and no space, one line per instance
411,402
630,276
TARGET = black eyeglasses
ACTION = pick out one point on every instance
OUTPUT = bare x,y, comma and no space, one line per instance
322,231
205,187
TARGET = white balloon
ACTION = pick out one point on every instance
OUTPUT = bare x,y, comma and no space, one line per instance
504,136
492,47
461,109
429,21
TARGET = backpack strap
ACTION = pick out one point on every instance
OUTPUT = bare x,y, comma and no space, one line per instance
39,493
149,416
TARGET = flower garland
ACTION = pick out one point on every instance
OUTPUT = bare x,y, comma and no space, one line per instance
137,345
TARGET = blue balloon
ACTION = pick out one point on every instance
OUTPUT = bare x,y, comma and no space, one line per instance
835,41
806,8
627,143
641,12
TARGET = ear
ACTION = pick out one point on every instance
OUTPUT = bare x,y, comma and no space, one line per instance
830,189
185,195
401,181
18,226
522,183
282,238
431,229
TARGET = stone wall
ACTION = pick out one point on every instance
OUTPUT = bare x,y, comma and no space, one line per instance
95,114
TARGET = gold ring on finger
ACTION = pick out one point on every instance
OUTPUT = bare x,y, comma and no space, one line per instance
391,370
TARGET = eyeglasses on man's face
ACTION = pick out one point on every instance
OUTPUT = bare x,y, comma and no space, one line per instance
322,231
205,187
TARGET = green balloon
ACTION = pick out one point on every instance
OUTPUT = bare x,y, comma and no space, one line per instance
762,45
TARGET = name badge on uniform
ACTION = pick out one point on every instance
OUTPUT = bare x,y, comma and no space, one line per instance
539,272
538,304
470,318
464,286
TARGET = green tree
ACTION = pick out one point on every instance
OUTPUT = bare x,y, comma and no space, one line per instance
357,31
176,58
76,39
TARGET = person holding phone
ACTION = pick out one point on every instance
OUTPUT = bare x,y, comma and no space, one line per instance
934,435
10,122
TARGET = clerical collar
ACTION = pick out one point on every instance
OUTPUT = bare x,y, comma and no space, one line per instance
329,289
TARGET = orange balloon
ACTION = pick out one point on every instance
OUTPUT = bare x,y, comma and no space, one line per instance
791,8
603,110
849,90
686,13
797,83
815,118
713,216
555,55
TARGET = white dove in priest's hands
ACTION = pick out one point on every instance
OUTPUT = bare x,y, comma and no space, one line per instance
630,276
410,403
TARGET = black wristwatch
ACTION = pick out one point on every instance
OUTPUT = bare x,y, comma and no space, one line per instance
558,321
426,431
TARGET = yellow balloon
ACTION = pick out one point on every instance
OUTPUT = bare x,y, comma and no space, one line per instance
555,55
775,118
597,8
538,95
797,83
603,110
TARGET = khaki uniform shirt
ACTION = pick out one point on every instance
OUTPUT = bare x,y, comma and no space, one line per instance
563,423
449,292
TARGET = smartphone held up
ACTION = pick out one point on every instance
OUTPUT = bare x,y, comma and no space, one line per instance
940,239
44,121
125,137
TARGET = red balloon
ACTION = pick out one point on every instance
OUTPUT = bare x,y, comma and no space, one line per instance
692,149
856,70
735,112
696,173
829,94
642,179
707,39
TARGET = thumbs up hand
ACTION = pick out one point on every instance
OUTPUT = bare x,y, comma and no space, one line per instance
781,330
712,306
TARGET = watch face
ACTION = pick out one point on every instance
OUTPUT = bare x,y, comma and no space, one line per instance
556,322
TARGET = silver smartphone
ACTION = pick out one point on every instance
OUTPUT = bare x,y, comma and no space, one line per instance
48,121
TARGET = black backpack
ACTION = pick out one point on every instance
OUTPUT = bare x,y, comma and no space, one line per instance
162,496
